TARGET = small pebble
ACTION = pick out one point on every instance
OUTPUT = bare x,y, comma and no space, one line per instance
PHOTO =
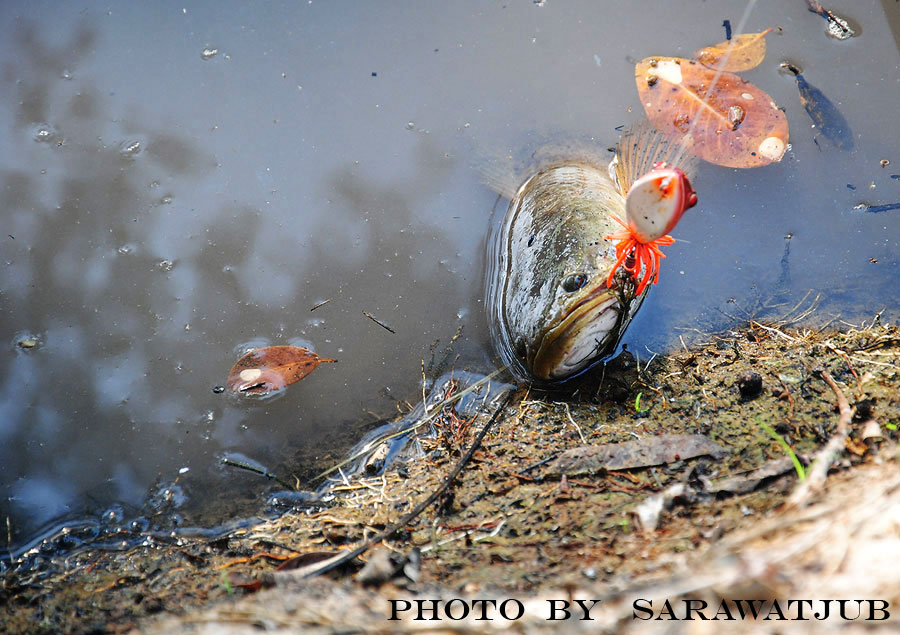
218,389
750,384
864,410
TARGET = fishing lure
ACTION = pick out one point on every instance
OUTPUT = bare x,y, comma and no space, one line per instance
653,206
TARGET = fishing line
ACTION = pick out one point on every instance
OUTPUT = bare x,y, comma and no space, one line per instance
683,149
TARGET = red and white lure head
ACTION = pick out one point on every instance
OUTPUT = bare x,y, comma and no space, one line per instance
654,205
656,202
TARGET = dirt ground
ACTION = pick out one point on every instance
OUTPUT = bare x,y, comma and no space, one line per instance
650,532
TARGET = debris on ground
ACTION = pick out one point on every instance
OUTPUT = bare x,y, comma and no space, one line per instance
713,527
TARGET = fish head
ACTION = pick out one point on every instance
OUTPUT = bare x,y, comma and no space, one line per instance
656,202
554,309
581,327
558,312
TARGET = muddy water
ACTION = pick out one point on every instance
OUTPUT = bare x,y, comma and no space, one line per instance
181,184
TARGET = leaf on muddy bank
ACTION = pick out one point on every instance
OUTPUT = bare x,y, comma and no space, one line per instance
306,559
728,122
660,450
741,53
249,586
271,368
744,483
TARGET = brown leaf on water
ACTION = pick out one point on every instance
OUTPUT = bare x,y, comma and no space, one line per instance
268,369
734,123
740,53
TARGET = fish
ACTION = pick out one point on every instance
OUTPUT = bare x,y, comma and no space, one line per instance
825,115
557,297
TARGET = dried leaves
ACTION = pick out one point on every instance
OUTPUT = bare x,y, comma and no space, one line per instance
741,53
268,369
665,448
717,115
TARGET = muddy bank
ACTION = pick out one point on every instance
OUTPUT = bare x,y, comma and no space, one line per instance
513,527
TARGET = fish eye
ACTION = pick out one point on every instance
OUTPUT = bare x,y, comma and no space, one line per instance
574,282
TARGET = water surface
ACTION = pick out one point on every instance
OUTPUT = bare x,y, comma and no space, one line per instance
179,184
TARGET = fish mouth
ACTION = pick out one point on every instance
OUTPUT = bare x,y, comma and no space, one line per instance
580,337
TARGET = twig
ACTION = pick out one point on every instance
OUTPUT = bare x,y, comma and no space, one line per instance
849,365
572,421
346,557
786,392
647,367
872,361
378,322
818,471
495,530
771,329
786,320
424,381
256,470
600,385
521,473
438,407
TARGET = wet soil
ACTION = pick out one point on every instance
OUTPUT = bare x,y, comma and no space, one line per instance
509,528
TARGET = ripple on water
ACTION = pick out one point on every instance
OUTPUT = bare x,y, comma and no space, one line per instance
44,133
131,148
26,341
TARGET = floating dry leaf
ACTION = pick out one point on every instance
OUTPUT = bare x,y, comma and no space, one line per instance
268,369
741,53
728,121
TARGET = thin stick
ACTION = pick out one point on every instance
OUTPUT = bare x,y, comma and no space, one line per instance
773,330
378,322
818,471
412,427
424,381
786,392
257,470
572,421
849,366
333,563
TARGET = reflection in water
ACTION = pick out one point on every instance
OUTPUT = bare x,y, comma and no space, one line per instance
88,233
162,211
140,278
